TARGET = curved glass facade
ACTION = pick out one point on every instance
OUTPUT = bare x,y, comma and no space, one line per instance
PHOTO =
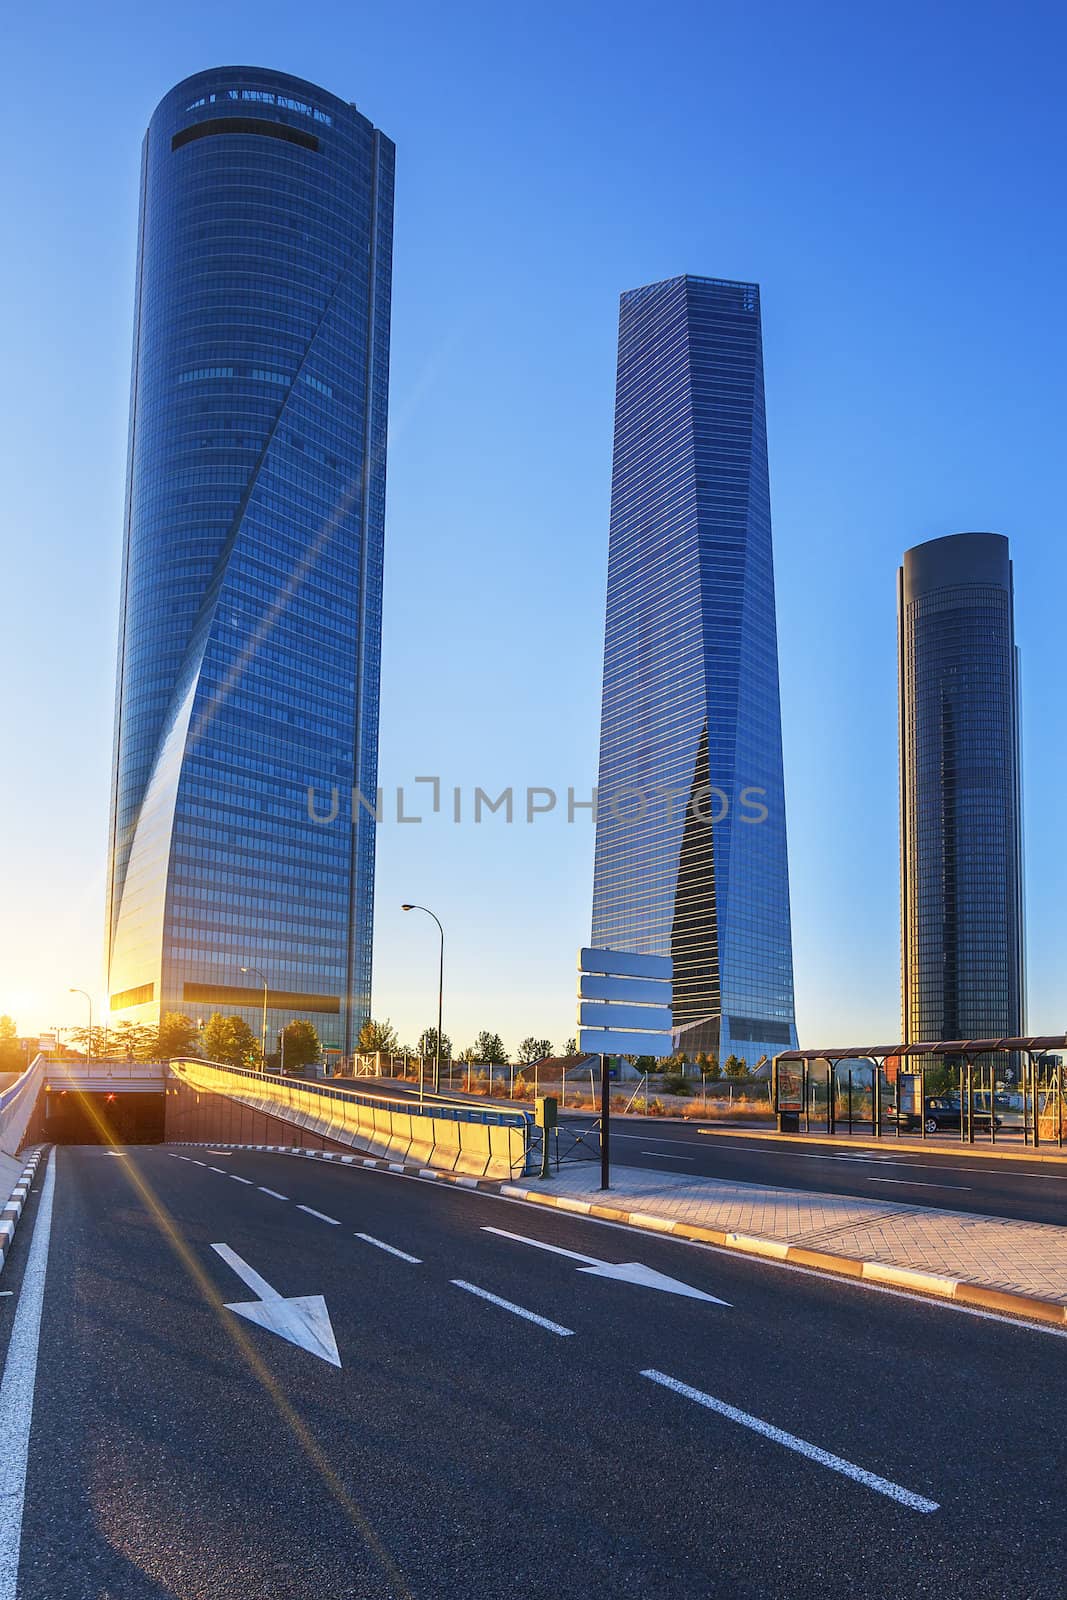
691,836
961,829
250,622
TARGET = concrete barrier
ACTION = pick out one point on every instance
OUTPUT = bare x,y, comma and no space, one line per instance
17,1105
454,1138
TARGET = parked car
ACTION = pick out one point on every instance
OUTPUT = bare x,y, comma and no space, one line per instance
941,1112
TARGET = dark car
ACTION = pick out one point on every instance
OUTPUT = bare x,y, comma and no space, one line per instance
944,1113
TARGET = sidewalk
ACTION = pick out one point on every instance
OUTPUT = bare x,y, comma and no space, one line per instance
1019,1267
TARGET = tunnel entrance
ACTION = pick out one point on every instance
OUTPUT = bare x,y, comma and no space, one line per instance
110,1117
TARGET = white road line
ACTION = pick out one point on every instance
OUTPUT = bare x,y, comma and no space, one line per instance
248,1275
557,1250
17,1389
197,1163
916,1183
320,1214
237,1179
272,1192
893,1491
509,1305
392,1249
664,1155
221,1170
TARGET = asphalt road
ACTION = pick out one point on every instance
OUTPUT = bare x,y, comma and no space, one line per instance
989,1185
461,1449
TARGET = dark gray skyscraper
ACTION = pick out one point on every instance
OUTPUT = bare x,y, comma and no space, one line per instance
252,574
960,810
691,838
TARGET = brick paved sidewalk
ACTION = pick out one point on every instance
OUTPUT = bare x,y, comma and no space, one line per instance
1026,1258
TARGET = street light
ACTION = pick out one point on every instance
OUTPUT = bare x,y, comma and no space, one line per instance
263,981
89,1038
440,996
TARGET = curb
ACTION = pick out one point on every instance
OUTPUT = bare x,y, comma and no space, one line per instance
932,1284
409,1169
9,1216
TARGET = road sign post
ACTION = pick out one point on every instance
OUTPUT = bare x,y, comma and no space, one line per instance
605,1124
624,1009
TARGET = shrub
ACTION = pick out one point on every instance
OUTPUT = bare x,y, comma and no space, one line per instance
674,1083
657,1109
522,1090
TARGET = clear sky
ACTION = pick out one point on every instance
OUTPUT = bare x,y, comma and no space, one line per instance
891,175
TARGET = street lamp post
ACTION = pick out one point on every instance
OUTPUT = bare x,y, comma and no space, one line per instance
440,994
263,981
89,1037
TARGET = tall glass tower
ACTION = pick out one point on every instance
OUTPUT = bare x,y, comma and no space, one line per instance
249,638
691,837
962,971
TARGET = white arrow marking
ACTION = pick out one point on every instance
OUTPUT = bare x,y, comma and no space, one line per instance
302,1319
623,1271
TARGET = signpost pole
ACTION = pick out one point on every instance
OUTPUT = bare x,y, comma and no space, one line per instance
605,1124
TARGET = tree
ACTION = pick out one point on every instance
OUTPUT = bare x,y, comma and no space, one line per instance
713,1069
133,1041
428,1045
92,1041
176,1036
489,1047
736,1067
12,1055
302,1044
375,1037
230,1041
532,1049
571,1047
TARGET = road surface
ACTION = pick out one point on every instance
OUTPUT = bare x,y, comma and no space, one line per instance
488,1400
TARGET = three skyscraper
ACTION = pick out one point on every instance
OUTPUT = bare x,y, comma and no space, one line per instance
251,617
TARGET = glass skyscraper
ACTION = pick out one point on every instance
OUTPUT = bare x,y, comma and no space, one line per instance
249,641
691,837
962,971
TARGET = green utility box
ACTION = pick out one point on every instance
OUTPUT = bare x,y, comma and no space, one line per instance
546,1107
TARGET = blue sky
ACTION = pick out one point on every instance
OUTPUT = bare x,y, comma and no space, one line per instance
890,175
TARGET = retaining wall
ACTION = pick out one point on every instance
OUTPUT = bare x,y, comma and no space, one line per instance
208,1101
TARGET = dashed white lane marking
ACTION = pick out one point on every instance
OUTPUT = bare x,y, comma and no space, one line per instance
197,1163
369,1238
272,1192
17,1390
223,1171
663,1155
904,1497
509,1305
320,1214
237,1179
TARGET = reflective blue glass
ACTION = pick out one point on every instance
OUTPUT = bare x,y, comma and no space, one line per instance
691,835
252,575
960,793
